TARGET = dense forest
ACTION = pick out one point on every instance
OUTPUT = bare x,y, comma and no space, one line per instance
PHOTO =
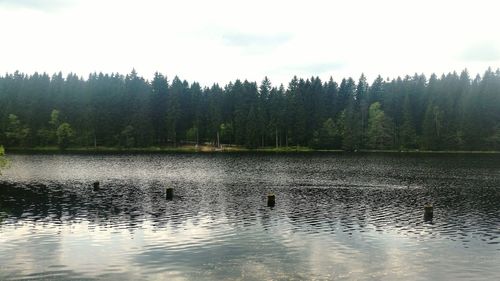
451,112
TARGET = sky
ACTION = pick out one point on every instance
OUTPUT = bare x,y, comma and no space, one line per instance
219,41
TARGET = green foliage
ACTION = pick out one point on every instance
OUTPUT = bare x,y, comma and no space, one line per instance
16,132
494,139
3,160
192,134
127,138
408,135
433,126
54,119
329,136
226,132
252,134
64,135
379,128
48,136
451,112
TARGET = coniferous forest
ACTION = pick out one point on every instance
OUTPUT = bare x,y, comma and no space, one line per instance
450,112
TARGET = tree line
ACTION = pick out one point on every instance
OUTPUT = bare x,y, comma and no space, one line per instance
450,112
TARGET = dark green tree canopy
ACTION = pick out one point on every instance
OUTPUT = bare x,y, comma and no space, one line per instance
448,112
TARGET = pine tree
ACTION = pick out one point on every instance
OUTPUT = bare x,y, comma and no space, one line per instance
159,87
408,135
448,112
174,109
432,127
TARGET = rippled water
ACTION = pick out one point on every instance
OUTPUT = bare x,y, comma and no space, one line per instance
337,216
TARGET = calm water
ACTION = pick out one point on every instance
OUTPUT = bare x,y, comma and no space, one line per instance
337,217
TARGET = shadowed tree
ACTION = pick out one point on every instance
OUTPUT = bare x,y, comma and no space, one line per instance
159,88
408,135
16,133
328,136
127,138
174,109
64,135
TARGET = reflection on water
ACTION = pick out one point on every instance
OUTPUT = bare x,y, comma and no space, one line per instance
336,217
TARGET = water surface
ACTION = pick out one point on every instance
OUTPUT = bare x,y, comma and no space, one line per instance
337,216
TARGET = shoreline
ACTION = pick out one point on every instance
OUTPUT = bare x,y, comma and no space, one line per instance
227,149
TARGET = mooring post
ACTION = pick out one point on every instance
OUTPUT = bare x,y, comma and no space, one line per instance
96,185
271,200
428,212
170,193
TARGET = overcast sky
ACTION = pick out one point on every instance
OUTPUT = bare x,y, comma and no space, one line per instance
219,41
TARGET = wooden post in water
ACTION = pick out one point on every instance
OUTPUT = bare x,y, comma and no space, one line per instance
271,200
170,193
428,212
96,185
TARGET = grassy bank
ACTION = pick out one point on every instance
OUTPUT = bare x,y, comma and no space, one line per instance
153,149
209,149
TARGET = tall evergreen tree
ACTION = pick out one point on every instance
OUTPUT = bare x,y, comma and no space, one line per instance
449,112
408,135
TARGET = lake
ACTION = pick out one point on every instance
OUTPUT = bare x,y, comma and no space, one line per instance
337,217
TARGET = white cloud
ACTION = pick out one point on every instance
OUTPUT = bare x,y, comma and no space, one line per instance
42,5
482,51
221,40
